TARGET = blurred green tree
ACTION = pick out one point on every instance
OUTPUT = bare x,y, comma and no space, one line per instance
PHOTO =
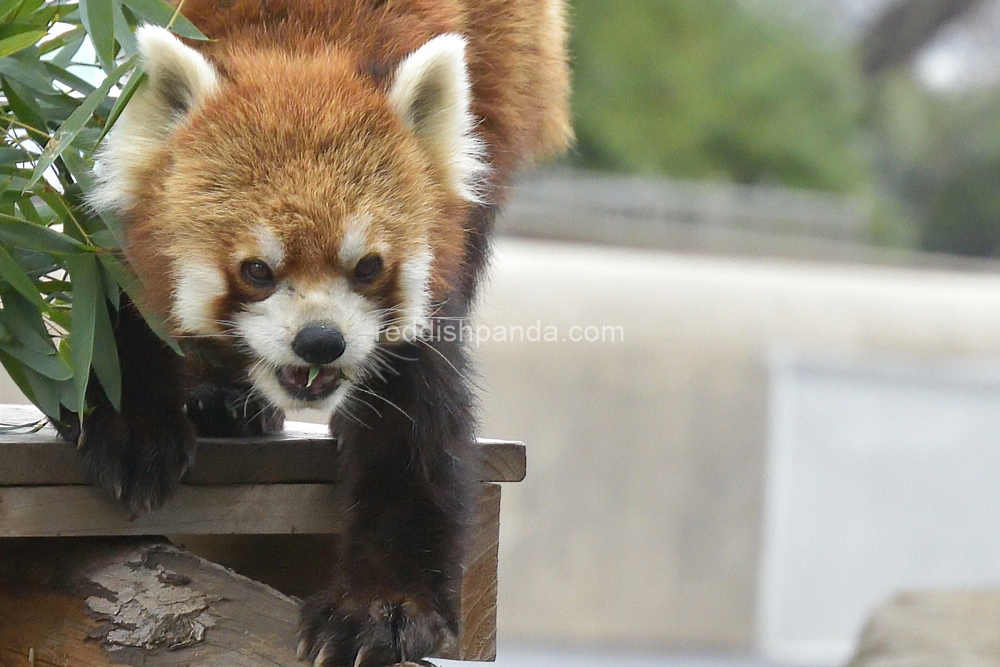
712,89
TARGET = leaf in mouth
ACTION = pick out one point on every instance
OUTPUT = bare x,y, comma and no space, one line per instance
313,374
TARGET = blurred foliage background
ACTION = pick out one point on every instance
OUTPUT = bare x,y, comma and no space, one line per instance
773,93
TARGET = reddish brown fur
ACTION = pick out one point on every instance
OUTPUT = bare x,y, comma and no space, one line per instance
301,135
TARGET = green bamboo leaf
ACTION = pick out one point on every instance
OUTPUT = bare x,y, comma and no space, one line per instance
50,365
46,392
25,67
128,282
105,361
15,369
69,397
13,156
122,276
28,7
8,7
87,298
160,13
29,211
61,318
20,234
62,41
77,120
24,321
25,109
123,31
74,40
53,286
70,216
98,18
133,83
74,82
15,276
45,17
112,291
16,43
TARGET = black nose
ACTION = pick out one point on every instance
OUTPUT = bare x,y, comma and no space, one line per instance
319,344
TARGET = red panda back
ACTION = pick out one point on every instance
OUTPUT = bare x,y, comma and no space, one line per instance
517,54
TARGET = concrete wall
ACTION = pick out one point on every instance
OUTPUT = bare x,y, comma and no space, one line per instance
640,520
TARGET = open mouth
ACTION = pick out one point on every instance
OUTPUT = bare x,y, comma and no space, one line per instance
309,383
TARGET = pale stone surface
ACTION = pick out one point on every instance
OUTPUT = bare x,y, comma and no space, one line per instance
933,629
640,518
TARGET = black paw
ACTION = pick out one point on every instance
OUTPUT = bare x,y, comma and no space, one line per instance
231,411
344,629
138,459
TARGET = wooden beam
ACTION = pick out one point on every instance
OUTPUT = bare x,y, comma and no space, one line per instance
303,454
260,509
477,638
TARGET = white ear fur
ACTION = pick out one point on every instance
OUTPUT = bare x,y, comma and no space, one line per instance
178,80
431,92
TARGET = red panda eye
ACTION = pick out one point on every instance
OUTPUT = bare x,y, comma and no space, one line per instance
367,268
258,273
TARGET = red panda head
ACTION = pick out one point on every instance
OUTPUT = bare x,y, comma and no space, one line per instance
293,207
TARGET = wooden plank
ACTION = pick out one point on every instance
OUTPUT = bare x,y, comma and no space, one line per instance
477,639
303,454
264,509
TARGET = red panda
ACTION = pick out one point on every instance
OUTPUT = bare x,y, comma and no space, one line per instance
307,200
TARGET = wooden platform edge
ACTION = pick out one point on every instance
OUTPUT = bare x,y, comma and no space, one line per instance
304,454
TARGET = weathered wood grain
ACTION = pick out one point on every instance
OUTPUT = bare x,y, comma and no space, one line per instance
262,509
303,454
477,639
86,603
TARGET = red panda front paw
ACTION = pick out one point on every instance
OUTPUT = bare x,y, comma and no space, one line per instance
232,411
352,629
138,459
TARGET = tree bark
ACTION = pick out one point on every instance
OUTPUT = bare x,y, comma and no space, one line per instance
101,602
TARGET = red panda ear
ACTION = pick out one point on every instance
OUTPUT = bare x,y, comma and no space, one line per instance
178,79
431,93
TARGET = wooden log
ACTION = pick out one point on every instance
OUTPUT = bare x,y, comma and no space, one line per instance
97,603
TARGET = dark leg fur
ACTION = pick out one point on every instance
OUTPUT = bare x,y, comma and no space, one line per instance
410,478
139,454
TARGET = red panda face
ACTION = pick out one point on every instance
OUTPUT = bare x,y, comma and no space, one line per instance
292,210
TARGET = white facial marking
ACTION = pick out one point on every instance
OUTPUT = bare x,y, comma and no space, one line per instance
355,243
199,284
178,80
272,250
432,93
414,278
269,328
